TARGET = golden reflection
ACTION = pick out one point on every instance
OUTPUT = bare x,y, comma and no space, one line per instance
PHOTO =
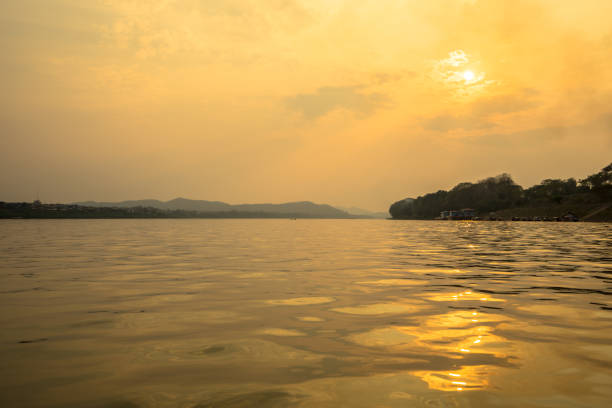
301,301
386,336
463,332
380,308
435,270
456,335
310,319
453,333
393,282
465,378
274,331
465,295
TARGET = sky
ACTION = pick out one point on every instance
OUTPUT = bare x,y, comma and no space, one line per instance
345,102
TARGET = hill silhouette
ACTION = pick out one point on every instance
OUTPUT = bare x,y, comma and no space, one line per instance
294,209
501,196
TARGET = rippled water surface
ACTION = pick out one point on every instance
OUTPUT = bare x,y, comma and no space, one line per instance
306,313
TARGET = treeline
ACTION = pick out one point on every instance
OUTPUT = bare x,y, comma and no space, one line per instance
39,210
501,192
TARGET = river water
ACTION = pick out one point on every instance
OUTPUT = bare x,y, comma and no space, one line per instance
304,313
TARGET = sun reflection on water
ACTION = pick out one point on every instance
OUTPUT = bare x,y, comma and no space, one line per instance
465,295
464,378
461,333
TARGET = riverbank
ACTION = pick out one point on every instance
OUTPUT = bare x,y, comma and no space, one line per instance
73,211
586,212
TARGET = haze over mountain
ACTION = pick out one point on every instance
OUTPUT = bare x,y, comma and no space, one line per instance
364,212
305,208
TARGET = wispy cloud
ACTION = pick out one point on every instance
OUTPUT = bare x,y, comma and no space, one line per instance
154,28
597,129
327,99
444,123
481,112
451,72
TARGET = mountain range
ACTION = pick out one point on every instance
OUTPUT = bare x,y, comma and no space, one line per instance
295,209
366,213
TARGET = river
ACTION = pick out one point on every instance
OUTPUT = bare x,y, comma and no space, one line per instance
304,313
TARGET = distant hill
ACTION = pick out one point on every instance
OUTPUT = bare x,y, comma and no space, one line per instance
296,209
365,213
300,207
175,204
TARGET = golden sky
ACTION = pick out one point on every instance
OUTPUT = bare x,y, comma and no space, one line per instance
346,102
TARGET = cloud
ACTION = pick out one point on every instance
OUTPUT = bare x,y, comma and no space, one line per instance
481,112
502,104
444,123
327,99
385,77
161,29
597,129
451,72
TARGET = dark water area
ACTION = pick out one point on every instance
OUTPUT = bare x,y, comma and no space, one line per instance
304,313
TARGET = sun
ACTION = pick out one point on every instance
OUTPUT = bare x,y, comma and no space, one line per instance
468,75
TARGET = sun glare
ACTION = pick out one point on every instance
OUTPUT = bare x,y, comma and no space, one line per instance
468,75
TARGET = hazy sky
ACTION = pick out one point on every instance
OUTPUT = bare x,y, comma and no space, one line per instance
346,102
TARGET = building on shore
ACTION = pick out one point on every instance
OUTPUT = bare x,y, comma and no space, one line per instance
463,214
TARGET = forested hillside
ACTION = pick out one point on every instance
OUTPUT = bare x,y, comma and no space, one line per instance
502,193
